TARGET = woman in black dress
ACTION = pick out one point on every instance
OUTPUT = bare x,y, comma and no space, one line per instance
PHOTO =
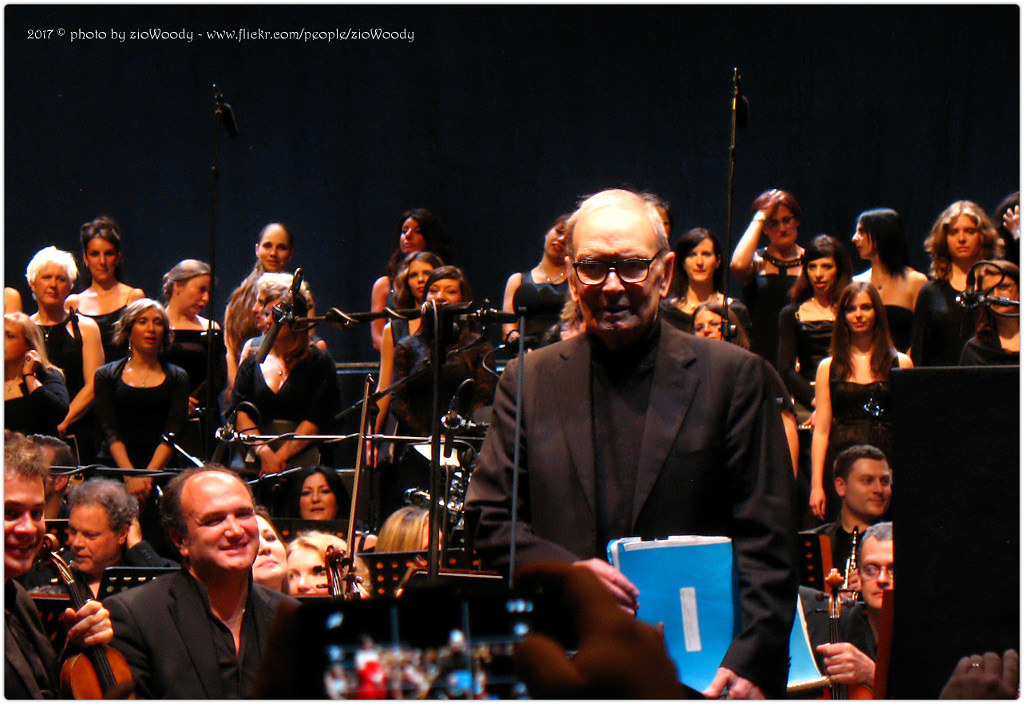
851,391
140,397
699,279
412,405
35,398
961,236
997,341
419,230
73,342
541,290
768,274
105,298
805,325
187,291
881,240
274,250
295,384
410,292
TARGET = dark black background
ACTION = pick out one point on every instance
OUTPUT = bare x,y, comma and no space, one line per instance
497,118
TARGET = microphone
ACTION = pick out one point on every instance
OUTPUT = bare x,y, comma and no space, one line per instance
740,104
227,115
486,315
283,312
453,420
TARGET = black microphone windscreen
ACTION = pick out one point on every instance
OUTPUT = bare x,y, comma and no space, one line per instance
525,297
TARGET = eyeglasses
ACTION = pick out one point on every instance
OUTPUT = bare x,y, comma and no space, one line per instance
593,272
871,571
775,223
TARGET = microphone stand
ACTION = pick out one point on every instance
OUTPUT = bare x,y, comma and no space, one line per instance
516,460
220,116
738,103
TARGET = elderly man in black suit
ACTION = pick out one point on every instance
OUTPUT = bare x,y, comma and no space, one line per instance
638,429
200,633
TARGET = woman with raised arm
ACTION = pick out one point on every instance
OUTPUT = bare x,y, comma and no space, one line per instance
768,274
851,392
418,231
961,236
187,291
997,341
881,240
295,384
699,279
805,325
274,250
72,341
542,289
35,398
105,298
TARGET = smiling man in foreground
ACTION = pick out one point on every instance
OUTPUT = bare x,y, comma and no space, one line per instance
200,633
638,429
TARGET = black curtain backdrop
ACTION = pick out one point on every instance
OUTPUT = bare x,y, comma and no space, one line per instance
497,118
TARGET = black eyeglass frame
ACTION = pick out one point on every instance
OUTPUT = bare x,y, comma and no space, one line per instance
609,266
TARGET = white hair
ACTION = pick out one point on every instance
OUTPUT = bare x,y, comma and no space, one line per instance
619,199
51,255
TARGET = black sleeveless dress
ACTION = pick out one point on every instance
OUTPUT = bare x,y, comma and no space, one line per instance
766,295
546,304
860,416
807,341
188,350
107,322
65,350
901,326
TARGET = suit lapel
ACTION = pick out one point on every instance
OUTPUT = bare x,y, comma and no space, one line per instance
570,386
189,614
672,391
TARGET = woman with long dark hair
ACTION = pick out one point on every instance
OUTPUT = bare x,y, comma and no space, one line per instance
418,231
105,297
961,236
880,238
699,279
851,391
768,274
805,325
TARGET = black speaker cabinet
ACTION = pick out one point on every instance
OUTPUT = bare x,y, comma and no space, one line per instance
956,521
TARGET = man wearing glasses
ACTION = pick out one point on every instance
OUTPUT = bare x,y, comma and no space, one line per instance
638,429
852,661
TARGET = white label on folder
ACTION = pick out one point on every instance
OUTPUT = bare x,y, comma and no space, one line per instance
691,624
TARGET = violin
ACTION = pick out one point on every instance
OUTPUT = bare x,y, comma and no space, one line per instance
836,586
100,670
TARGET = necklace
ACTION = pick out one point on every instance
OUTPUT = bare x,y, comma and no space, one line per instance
557,279
234,620
145,380
784,265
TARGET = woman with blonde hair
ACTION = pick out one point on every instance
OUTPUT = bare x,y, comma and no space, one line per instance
405,530
307,564
35,398
961,236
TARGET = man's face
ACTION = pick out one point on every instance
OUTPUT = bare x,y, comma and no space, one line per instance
619,313
867,491
94,546
875,555
221,530
23,523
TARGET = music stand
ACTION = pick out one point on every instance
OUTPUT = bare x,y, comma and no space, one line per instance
118,578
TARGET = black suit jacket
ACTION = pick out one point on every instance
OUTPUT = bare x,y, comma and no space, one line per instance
714,461
165,635
20,681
